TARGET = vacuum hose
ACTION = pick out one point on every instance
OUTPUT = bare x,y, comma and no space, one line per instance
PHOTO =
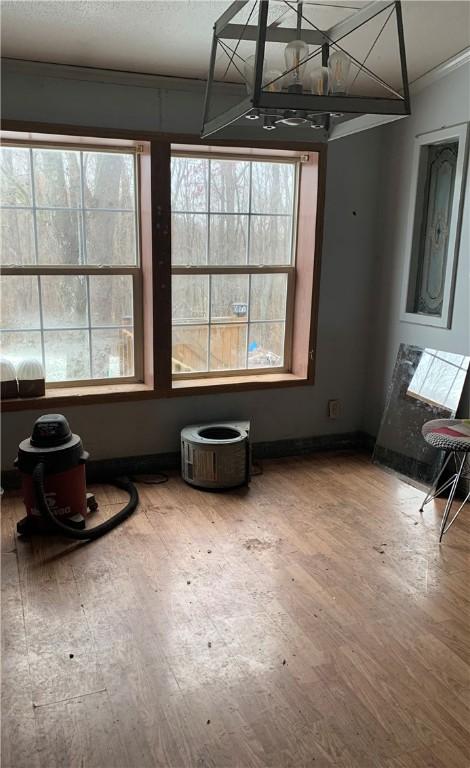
91,533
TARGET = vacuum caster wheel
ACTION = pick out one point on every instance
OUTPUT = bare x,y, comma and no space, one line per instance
91,502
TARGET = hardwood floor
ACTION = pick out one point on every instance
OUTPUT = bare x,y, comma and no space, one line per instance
312,620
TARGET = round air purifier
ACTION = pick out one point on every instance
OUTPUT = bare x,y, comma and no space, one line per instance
216,456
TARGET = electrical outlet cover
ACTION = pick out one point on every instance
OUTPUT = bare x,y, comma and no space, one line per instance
334,409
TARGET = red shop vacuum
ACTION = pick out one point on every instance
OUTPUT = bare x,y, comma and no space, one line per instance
52,465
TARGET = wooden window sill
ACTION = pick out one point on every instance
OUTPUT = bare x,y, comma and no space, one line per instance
107,393
236,383
65,396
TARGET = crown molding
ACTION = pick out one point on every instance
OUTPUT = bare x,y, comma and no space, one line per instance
442,70
113,76
366,122
161,82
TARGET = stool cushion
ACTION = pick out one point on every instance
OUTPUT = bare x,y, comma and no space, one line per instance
448,434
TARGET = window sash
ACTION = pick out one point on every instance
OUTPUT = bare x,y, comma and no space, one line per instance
245,157
137,321
246,269
287,320
135,271
81,209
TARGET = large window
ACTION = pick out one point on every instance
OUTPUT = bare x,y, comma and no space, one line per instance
233,254
133,267
70,259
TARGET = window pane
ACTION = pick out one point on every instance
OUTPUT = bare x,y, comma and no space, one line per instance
21,346
108,180
189,352
272,188
228,239
268,297
270,240
266,345
189,239
228,347
229,298
67,355
15,176
64,301
19,302
190,296
188,184
110,237
112,352
111,300
58,237
56,177
17,237
230,186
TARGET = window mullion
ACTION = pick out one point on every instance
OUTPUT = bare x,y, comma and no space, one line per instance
64,208
41,321
36,253
209,310
248,248
85,260
248,237
46,269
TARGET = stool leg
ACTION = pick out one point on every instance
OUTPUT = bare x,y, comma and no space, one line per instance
444,526
467,497
432,493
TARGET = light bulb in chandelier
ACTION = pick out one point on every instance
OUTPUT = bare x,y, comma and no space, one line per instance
249,73
319,81
295,54
339,65
272,80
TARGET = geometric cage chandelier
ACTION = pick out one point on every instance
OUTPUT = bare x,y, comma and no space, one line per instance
311,64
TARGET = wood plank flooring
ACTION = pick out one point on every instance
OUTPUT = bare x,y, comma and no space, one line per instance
312,620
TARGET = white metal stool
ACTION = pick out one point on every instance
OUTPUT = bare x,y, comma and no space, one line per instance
453,437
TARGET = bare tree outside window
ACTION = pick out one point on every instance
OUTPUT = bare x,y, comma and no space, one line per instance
233,236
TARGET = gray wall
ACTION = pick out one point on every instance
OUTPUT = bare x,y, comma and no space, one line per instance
58,94
444,103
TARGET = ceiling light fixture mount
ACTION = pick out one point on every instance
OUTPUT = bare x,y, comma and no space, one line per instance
286,63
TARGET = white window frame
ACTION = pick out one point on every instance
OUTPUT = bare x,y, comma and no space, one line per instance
246,269
85,270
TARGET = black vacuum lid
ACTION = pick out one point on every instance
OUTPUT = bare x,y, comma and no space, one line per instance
53,443
51,430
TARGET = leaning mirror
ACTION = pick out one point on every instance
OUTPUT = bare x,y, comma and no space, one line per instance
426,384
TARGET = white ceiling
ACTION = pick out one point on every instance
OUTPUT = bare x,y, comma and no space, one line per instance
173,38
